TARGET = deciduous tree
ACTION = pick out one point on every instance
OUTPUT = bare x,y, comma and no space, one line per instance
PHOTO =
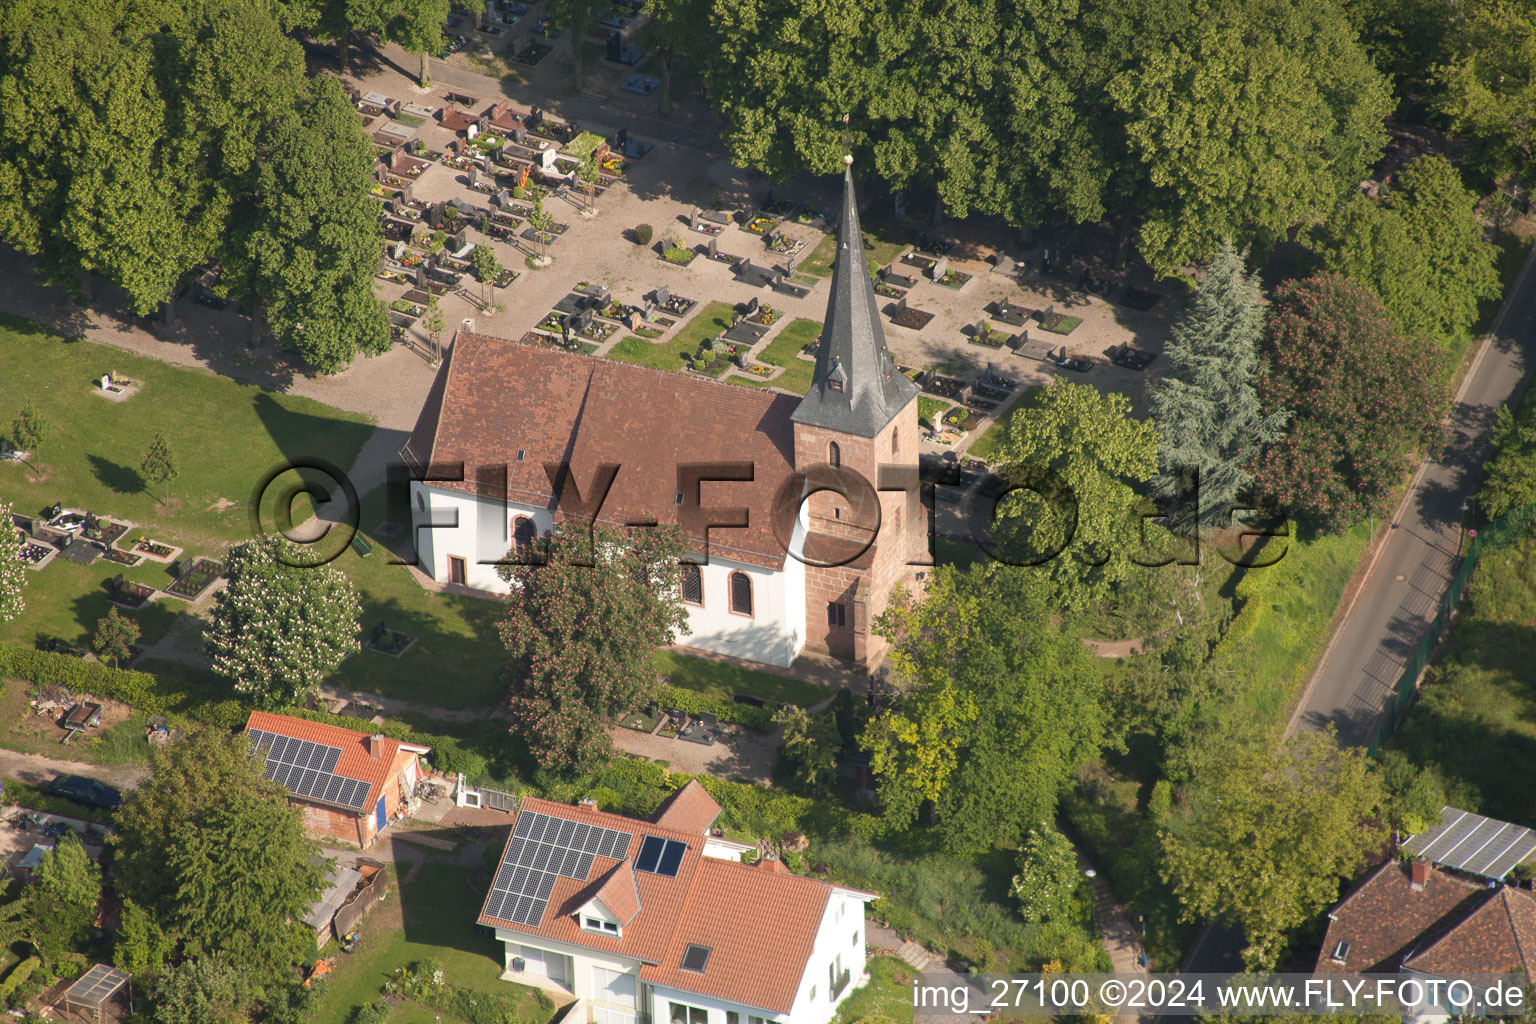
244,878
1209,422
1088,441
1363,400
1271,834
115,636
308,246
1488,86
61,902
810,744
999,706
281,626
589,605
204,768
1421,248
159,464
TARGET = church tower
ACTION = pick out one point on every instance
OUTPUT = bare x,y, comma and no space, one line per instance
860,415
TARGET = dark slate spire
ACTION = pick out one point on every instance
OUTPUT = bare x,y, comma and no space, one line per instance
856,389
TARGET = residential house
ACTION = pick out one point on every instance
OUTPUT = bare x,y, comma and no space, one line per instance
660,922
348,784
514,439
1416,919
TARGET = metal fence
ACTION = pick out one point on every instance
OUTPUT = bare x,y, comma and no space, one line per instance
1496,534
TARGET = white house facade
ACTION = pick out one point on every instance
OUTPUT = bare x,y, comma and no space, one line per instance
734,607
673,929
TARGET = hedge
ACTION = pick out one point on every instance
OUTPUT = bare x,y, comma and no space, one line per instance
20,974
694,703
150,694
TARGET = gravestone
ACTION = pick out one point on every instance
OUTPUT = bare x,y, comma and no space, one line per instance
1004,264
940,268
663,295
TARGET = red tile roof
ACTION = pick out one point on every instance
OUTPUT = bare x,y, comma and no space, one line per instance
618,892
690,809
1450,925
495,397
706,903
356,762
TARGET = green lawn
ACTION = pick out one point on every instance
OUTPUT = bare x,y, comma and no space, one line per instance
784,351
985,447
720,680
225,437
1476,716
668,355
879,250
888,993
438,908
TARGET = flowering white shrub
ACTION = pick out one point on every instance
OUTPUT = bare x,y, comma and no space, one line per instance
281,627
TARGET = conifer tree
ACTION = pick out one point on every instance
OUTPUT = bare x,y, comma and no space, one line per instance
1209,420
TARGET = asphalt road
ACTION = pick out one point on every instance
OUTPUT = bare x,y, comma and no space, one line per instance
1393,610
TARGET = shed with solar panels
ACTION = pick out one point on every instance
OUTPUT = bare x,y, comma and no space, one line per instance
1464,841
350,785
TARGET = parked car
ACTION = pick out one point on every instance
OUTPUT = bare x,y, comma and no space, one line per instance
86,791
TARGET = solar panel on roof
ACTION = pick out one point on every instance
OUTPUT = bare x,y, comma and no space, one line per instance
306,769
660,856
1470,842
536,856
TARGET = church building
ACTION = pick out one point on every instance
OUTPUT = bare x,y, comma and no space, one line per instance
800,567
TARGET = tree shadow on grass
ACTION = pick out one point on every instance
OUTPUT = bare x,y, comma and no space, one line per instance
120,478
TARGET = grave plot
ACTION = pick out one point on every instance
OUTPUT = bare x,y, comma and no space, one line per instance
34,555
153,550
987,335
128,594
675,305
1137,359
195,579
906,316
1059,323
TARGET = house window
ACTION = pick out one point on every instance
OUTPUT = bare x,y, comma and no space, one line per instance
523,532
691,583
681,1013
741,593
837,614
834,454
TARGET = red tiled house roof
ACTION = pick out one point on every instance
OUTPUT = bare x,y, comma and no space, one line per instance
704,904
356,761
690,809
1449,925
494,397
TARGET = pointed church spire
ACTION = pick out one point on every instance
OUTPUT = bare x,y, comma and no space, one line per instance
856,389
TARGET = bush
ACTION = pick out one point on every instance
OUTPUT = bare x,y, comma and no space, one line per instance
643,234
20,974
